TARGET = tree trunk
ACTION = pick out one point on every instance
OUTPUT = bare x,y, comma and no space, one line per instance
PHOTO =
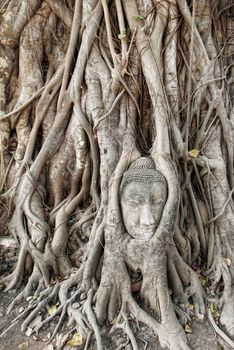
96,96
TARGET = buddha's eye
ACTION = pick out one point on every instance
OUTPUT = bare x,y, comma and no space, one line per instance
135,203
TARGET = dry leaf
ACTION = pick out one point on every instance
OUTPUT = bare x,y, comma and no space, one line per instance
203,282
191,307
194,153
113,321
200,317
52,310
76,340
21,309
29,331
188,329
214,311
212,308
216,315
23,345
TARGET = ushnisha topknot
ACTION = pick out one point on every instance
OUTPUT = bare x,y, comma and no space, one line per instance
142,170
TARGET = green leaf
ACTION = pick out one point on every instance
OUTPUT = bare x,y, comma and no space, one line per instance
139,17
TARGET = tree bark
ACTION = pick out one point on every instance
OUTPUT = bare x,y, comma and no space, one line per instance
86,89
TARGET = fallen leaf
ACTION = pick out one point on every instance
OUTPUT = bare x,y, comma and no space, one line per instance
21,309
214,311
188,329
29,332
194,153
200,317
23,345
191,307
216,315
203,282
76,340
52,310
213,308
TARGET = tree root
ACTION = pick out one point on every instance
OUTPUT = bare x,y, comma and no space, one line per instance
217,330
53,293
85,97
125,327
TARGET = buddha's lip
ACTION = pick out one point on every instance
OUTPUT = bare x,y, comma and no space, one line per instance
146,228
144,234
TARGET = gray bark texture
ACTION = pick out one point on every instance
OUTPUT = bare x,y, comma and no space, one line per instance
90,89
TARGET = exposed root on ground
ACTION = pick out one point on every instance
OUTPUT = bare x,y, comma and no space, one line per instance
86,88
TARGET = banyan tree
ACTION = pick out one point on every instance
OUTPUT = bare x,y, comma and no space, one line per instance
116,163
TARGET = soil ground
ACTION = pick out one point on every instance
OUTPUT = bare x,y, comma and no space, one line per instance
202,337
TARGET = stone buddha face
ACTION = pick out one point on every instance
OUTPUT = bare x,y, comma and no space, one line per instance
143,196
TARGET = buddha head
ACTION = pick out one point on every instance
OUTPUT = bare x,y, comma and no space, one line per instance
143,193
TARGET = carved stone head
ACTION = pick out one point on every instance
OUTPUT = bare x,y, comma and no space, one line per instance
143,193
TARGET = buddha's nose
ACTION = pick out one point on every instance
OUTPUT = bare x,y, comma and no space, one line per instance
146,217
